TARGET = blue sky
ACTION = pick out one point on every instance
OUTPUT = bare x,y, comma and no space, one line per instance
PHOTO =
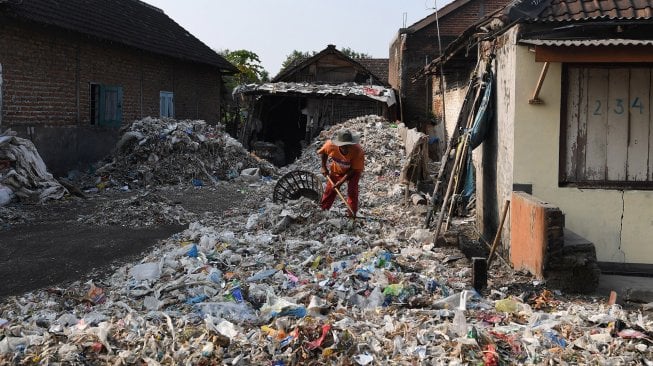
274,28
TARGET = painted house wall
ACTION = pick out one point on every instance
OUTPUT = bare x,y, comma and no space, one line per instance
617,222
46,91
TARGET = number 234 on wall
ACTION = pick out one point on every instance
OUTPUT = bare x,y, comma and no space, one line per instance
619,107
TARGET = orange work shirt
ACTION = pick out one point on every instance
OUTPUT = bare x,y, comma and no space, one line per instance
340,164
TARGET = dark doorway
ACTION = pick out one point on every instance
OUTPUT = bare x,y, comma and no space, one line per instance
285,126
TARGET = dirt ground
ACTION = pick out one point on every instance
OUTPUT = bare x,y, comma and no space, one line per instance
48,245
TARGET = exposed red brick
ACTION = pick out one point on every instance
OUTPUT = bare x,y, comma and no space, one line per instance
44,67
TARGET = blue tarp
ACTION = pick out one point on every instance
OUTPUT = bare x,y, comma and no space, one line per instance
484,114
478,133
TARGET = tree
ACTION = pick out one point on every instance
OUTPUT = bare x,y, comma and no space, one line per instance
248,65
296,56
249,71
353,54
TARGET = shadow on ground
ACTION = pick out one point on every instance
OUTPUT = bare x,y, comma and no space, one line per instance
54,248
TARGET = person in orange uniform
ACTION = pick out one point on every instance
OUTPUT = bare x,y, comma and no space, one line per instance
347,161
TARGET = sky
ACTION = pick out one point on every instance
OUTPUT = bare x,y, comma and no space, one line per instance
274,28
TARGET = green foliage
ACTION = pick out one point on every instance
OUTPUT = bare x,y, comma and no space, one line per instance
248,65
353,54
296,56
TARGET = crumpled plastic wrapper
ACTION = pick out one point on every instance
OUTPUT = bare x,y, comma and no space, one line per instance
26,176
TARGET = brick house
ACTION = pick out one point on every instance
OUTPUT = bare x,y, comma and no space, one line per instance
416,46
72,72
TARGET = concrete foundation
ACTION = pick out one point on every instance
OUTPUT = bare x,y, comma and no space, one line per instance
67,148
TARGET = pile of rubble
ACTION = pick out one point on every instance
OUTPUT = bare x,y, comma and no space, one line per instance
165,151
23,173
293,285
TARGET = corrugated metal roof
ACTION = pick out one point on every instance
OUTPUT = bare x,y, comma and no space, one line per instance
568,10
376,92
588,42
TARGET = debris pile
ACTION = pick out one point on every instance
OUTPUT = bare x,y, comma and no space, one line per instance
23,173
293,285
166,151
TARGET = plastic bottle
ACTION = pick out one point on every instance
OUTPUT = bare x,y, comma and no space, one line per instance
459,320
215,275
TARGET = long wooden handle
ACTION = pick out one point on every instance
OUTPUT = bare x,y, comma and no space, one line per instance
498,236
341,196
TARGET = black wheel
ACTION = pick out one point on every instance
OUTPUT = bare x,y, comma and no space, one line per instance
296,184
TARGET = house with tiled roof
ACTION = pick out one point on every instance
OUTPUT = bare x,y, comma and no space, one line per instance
572,129
73,72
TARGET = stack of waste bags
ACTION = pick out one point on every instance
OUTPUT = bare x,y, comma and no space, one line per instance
166,151
290,284
23,173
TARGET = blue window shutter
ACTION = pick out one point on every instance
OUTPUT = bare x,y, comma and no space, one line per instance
101,106
110,106
167,104
162,105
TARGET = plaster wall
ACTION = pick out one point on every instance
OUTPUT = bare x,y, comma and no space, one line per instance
618,222
493,159
453,100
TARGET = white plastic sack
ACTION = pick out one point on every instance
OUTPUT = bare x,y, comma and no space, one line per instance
6,195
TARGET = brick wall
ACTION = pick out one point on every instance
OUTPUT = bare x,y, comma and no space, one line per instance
45,69
394,60
46,83
422,46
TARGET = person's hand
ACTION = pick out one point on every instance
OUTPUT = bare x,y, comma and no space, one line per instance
325,172
339,183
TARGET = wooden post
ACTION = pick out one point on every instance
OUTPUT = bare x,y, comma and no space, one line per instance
479,273
536,94
499,230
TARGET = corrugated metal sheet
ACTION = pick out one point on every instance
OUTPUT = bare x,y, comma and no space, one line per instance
375,92
568,10
588,42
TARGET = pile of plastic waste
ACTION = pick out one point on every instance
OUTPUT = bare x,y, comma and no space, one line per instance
290,284
23,174
165,151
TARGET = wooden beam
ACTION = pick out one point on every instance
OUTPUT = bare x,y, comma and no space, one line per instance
536,94
594,54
